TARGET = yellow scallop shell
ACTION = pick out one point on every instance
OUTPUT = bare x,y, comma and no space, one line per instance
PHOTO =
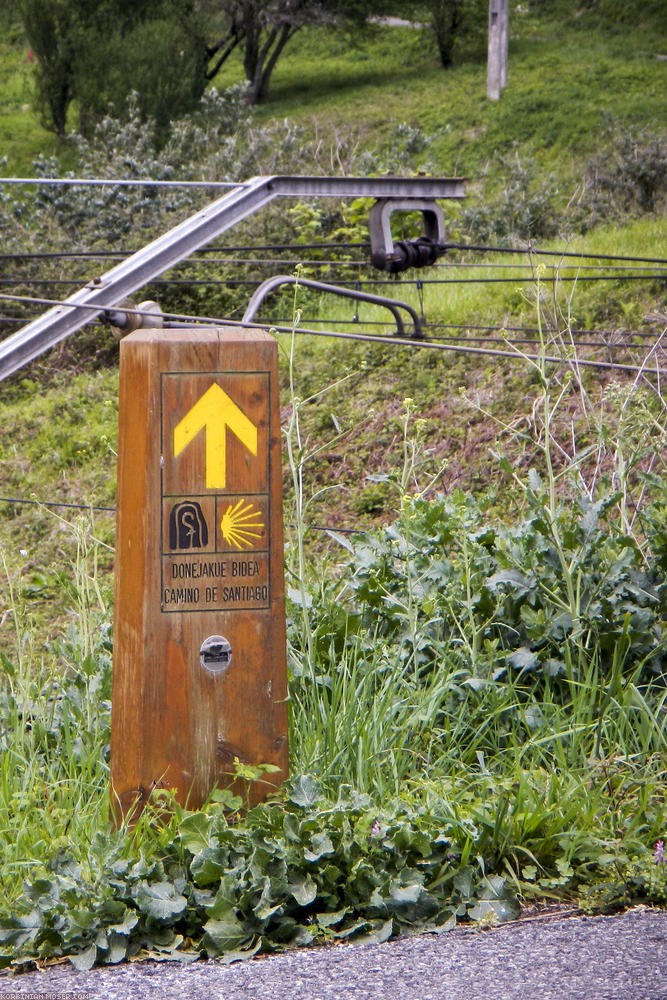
241,525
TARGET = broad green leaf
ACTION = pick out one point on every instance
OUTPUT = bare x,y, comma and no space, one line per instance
554,668
128,923
533,716
195,832
303,889
381,932
493,887
591,518
207,866
82,920
167,948
412,902
159,900
43,891
344,542
476,683
306,791
534,480
299,597
523,659
321,846
302,937
224,900
240,954
331,919
402,894
444,923
356,928
117,949
84,960
267,905
512,578
463,882
500,909
226,798
226,934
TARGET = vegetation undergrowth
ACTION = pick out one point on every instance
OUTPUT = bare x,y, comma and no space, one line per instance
478,709
478,716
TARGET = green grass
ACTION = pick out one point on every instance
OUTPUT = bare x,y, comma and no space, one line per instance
477,710
21,135
564,82
483,770
368,87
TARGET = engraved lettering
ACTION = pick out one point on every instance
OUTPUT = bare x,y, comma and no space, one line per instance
245,568
195,570
180,595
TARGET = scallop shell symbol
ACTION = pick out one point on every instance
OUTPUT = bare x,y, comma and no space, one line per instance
241,525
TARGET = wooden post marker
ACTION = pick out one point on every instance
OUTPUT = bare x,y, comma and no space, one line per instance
199,672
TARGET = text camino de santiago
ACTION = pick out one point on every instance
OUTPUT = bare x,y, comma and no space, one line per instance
217,572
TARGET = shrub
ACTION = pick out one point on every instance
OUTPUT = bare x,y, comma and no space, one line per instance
627,177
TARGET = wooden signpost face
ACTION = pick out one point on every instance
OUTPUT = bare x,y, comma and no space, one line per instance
199,675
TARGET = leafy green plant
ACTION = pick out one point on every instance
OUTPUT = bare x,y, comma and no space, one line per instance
626,177
524,208
627,881
536,596
290,873
458,765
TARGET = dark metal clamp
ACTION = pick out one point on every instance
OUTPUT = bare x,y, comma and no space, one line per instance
422,252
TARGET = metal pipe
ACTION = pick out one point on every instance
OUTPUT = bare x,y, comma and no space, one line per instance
260,293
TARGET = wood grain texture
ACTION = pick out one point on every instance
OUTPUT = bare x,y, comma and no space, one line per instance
180,579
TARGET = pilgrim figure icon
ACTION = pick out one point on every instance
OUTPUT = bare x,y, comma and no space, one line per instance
187,526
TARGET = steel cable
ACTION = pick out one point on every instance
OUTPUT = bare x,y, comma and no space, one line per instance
112,510
393,341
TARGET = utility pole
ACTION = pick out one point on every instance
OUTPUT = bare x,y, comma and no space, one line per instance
496,77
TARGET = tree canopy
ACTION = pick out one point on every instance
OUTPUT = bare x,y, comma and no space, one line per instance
168,51
95,55
263,29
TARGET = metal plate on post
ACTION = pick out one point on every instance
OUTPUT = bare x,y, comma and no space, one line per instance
216,654
215,492
199,656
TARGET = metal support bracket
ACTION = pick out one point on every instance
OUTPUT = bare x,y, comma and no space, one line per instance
383,250
394,305
105,291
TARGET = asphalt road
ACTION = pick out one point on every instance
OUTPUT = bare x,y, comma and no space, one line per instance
598,958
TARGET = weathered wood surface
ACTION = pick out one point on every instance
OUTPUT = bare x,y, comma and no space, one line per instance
180,578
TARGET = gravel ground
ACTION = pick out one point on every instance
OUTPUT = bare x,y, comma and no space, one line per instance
578,958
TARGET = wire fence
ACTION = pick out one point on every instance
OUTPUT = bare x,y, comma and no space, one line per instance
21,501
632,268
518,341
178,319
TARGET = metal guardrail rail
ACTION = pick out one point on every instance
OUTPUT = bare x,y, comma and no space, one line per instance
108,289
393,305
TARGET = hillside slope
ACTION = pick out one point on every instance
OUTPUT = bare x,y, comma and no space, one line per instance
571,95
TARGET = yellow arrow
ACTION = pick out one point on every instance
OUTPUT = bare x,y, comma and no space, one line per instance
215,412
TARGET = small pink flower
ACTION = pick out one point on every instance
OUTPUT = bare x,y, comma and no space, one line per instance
376,829
30,56
659,853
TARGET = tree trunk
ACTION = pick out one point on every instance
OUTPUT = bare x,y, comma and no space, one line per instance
446,18
264,62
